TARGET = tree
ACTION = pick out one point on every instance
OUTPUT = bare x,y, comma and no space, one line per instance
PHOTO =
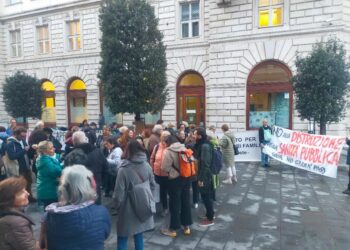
23,96
320,83
133,65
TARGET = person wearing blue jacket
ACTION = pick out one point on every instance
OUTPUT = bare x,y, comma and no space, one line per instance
48,173
76,222
17,149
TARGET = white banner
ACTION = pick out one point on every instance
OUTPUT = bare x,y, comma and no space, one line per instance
248,146
315,153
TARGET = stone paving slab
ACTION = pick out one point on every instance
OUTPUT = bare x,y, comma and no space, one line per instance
276,208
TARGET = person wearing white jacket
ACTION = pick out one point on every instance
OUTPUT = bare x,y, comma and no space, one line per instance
114,162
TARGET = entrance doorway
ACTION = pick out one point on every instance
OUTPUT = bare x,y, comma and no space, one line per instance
269,95
191,99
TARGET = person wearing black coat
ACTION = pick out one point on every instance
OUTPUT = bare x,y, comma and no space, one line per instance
347,191
95,161
265,133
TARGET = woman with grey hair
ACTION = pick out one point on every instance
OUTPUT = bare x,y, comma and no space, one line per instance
155,137
76,222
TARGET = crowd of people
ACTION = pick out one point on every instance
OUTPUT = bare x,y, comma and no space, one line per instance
72,178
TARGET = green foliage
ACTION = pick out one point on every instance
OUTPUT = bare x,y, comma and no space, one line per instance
133,66
320,83
23,96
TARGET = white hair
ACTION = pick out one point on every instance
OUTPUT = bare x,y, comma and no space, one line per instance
77,185
157,128
79,137
39,124
123,129
210,135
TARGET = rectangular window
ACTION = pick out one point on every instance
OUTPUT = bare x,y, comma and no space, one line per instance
74,42
10,2
189,19
43,39
15,43
270,13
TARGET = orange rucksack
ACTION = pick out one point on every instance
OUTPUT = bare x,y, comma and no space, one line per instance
187,164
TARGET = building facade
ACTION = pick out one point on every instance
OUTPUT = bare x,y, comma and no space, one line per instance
229,61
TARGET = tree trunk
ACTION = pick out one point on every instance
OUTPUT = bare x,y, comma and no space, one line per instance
139,125
322,127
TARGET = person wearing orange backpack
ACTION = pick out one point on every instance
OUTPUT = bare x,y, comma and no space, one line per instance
203,154
178,188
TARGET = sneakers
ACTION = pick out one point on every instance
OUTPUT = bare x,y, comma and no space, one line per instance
347,191
234,179
168,232
187,230
206,223
204,217
227,181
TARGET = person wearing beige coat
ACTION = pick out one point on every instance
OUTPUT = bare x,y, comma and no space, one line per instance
226,143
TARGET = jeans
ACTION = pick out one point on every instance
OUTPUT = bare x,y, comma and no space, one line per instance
123,241
264,157
179,203
163,189
43,203
349,179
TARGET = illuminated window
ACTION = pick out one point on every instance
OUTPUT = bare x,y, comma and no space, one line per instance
270,13
189,19
74,39
15,43
49,102
44,46
77,102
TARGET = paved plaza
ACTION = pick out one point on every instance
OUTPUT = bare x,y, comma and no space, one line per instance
276,208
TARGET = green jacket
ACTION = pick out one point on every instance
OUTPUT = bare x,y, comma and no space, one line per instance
204,173
49,171
226,144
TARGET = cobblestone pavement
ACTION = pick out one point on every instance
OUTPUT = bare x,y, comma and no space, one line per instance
276,208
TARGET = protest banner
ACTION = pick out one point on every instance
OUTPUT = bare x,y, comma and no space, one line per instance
248,146
315,153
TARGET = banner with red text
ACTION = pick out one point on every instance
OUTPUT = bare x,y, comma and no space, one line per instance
315,153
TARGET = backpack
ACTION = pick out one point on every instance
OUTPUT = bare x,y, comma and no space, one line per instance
187,164
141,199
216,162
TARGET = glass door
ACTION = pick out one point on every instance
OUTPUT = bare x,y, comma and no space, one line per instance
191,109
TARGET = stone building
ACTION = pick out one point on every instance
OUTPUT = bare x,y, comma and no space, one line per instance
229,61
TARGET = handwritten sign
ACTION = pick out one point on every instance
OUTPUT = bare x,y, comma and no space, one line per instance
315,153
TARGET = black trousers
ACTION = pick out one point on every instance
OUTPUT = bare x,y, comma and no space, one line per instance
208,197
195,192
27,174
179,203
163,189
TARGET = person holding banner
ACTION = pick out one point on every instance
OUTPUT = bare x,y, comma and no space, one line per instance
347,191
265,134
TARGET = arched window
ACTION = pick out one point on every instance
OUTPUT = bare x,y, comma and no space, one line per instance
269,95
190,94
77,111
49,103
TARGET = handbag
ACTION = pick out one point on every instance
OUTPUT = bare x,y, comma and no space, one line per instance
235,149
3,172
141,199
12,166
